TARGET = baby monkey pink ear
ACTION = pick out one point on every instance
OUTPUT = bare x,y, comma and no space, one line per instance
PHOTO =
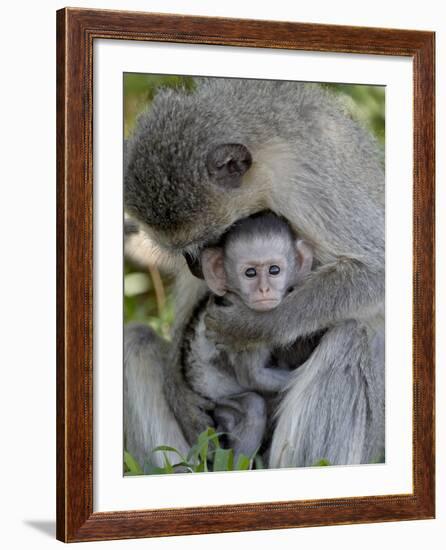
213,270
304,256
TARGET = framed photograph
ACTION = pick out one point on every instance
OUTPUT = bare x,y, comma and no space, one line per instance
245,276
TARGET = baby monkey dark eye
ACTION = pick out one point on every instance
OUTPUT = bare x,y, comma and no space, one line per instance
250,272
274,270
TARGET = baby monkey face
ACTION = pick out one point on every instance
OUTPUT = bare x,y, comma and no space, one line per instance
260,261
261,273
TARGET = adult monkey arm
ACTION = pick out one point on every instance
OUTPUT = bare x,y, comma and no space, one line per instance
350,289
159,408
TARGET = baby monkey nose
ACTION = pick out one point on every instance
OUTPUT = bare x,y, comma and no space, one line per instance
264,290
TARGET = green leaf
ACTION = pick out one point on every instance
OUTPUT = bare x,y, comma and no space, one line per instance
322,462
223,460
203,438
169,449
192,455
243,462
203,452
208,443
214,437
167,464
200,449
133,467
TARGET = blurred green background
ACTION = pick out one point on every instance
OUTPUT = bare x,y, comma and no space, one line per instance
147,296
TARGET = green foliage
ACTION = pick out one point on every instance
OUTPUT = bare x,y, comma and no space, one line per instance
322,462
365,104
141,304
140,89
162,323
131,466
206,455
223,460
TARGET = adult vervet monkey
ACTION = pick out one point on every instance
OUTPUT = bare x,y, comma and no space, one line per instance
198,162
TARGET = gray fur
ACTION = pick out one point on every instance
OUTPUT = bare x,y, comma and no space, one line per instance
244,416
147,415
230,380
331,395
321,171
265,226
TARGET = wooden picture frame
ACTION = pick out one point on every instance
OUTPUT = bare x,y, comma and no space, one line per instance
77,29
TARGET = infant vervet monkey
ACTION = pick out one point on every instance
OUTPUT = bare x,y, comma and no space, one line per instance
260,260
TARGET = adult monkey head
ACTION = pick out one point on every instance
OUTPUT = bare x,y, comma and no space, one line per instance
191,171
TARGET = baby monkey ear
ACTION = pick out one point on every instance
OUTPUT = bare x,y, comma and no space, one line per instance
213,270
227,163
304,255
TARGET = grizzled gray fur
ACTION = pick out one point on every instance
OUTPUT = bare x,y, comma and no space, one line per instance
198,162
233,381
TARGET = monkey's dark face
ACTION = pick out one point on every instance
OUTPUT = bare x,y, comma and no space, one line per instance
184,182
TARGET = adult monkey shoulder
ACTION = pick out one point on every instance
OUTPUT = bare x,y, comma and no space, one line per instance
199,162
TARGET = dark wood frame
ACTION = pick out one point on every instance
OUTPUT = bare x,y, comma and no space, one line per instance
76,31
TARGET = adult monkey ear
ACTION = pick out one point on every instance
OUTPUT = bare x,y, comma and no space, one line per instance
304,254
194,265
227,163
213,270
